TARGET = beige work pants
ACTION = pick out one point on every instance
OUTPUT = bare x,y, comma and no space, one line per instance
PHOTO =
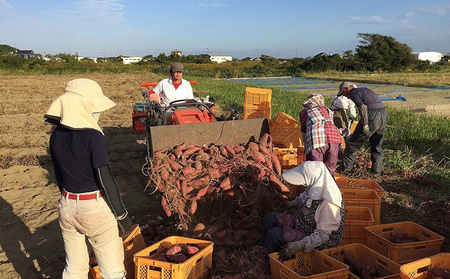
90,220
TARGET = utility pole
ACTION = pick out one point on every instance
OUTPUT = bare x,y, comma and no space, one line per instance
207,50
428,45
295,53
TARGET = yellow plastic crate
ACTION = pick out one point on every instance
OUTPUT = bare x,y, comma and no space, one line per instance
285,120
366,256
356,218
196,266
314,265
257,103
286,136
420,269
132,244
354,183
363,197
378,238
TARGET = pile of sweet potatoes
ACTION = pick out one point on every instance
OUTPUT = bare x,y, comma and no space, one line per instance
175,253
186,174
400,238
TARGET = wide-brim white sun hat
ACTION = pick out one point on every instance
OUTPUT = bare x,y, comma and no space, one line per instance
75,108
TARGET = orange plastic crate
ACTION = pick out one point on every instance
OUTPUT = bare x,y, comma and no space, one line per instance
366,256
314,265
132,244
419,269
363,197
378,238
257,103
196,266
354,183
286,137
357,217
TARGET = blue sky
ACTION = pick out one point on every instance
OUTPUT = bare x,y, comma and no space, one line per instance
241,28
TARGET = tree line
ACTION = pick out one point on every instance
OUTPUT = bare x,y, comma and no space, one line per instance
374,53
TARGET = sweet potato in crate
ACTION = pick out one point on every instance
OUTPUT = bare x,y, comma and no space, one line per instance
133,243
421,269
197,266
384,267
363,197
257,103
356,218
344,182
314,265
424,243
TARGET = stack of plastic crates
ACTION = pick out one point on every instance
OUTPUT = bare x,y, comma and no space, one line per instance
381,239
133,243
257,103
314,265
363,197
195,267
356,218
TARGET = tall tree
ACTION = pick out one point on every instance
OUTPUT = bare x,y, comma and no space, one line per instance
383,53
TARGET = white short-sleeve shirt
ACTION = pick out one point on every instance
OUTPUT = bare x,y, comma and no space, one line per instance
168,92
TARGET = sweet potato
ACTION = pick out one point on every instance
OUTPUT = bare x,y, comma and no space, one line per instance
239,149
223,257
164,174
257,156
190,151
165,206
230,193
178,150
276,163
177,258
223,151
440,272
214,228
225,184
279,185
268,161
198,166
230,148
192,250
202,192
188,171
264,150
193,207
174,249
174,165
253,146
214,173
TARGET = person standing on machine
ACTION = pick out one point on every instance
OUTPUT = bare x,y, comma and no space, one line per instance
90,207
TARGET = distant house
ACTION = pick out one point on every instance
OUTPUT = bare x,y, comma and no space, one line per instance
177,52
431,56
221,58
131,60
26,54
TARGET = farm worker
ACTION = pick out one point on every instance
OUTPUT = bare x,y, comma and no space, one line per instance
372,126
173,88
321,137
317,216
344,111
90,206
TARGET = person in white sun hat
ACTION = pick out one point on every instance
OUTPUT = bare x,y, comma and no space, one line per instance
317,218
90,206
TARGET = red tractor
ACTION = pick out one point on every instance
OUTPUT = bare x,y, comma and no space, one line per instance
192,120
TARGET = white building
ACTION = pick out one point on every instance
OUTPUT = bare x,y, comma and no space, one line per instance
221,58
431,56
131,60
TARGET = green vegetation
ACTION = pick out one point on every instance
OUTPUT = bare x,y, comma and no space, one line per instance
416,144
375,53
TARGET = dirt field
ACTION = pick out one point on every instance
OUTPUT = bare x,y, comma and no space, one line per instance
30,241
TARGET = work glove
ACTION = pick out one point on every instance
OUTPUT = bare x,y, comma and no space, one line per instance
291,204
366,130
288,250
124,225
